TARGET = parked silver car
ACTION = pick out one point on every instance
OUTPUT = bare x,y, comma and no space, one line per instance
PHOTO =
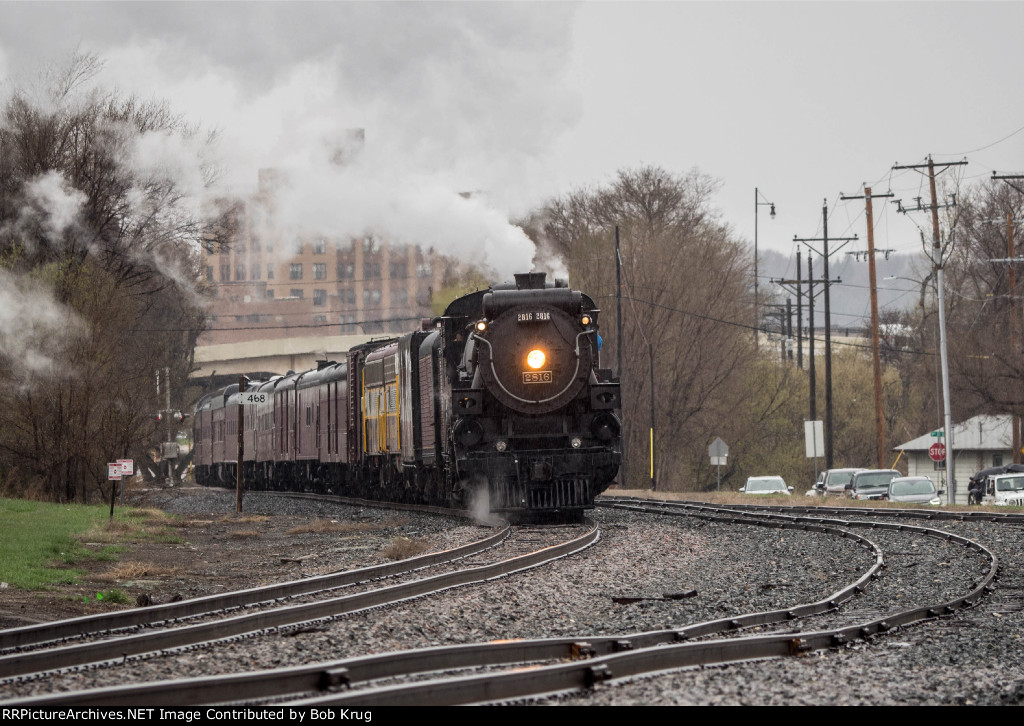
914,490
766,485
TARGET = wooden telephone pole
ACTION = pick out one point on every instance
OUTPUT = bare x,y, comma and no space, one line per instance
875,353
1016,423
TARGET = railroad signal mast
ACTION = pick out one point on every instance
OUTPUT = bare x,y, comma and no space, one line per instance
936,255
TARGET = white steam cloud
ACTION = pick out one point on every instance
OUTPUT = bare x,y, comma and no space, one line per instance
33,328
453,97
52,206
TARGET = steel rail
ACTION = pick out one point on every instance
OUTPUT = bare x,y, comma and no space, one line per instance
16,638
611,657
492,687
120,648
331,676
923,512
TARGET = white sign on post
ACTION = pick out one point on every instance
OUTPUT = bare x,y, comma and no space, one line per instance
127,466
814,439
113,472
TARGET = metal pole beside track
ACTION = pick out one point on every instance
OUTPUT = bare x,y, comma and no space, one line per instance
241,445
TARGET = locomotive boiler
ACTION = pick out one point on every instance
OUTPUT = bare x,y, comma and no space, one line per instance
500,403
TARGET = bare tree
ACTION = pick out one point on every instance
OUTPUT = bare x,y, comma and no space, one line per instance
109,241
686,293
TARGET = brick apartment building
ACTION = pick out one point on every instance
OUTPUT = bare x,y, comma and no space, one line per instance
269,285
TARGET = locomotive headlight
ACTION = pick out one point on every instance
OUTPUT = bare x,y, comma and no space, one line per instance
535,359
576,442
500,445
585,320
481,326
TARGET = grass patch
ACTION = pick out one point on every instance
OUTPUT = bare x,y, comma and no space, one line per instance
136,571
110,597
42,542
402,548
245,519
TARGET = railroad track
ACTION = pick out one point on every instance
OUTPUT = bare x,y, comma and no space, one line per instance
34,651
479,672
564,663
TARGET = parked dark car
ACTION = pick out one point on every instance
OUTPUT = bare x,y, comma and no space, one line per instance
871,483
914,490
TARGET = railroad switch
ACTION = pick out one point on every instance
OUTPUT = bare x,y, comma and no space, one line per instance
334,679
596,674
582,649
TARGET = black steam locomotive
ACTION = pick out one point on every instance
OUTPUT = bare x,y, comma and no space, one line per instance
500,403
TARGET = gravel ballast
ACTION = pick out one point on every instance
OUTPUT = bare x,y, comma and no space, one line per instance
723,569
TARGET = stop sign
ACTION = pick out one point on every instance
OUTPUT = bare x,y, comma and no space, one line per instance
937,452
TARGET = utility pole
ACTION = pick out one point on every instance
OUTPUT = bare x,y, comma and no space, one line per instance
757,310
824,239
799,317
789,327
1015,421
810,328
875,352
620,341
937,260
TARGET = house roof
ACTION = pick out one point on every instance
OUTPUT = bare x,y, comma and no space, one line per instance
981,433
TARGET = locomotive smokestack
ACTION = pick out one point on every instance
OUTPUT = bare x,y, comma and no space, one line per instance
530,280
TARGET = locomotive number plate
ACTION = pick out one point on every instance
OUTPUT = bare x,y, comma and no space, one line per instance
533,317
537,377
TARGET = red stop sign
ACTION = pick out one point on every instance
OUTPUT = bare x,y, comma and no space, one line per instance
937,452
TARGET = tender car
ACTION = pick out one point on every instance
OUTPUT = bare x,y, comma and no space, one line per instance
1007,490
871,483
834,481
913,490
766,485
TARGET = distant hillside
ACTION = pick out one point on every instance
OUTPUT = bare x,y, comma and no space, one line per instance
850,299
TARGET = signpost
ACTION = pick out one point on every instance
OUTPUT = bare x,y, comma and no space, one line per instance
113,475
814,440
719,453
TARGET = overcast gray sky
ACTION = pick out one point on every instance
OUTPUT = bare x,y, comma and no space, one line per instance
803,100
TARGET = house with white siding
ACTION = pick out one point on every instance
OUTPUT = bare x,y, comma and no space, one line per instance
978,443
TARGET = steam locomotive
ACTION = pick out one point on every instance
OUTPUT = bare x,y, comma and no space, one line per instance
500,403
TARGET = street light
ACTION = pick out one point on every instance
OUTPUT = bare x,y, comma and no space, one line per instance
758,203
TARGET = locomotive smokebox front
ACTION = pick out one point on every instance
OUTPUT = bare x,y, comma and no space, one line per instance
534,358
